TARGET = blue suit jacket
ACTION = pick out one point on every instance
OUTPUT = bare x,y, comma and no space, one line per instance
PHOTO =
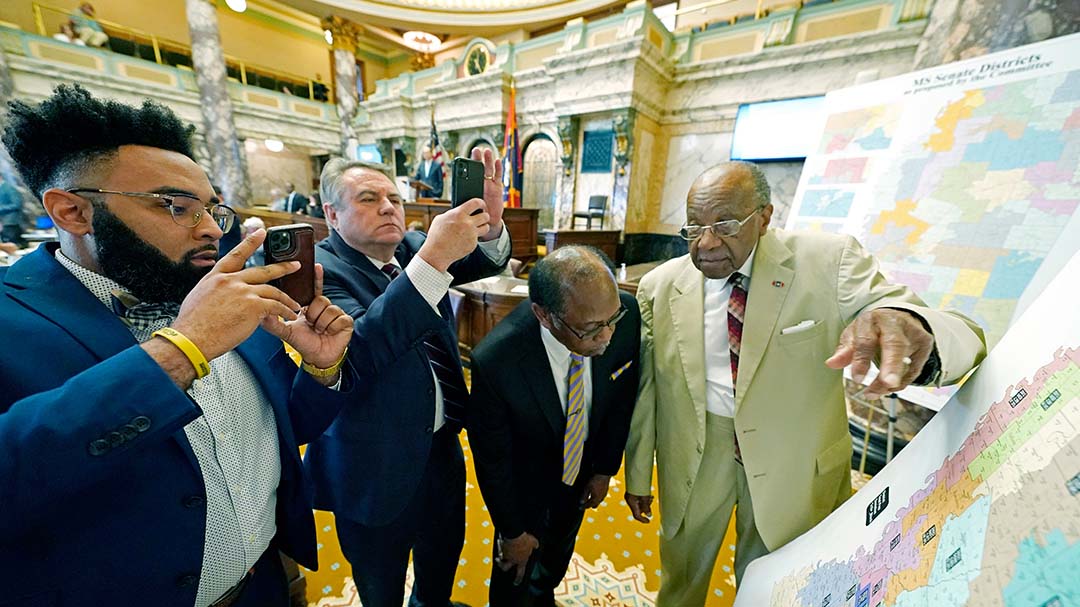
85,525
433,178
368,464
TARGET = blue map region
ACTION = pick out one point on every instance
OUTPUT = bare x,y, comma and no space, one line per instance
877,140
1004,153
1045,575
826,203
965,304
957,560
831,579
1069,90
1011,275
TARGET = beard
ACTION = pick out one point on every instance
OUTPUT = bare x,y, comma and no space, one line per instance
139,266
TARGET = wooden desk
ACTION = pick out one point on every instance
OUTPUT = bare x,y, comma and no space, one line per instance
605,240
280,218
487,302
523,224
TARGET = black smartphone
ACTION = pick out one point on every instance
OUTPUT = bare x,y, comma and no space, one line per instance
468,181
294,242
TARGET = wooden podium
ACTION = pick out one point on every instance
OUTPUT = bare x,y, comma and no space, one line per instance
420,188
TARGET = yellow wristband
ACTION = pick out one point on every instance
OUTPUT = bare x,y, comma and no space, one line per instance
190,350
330,371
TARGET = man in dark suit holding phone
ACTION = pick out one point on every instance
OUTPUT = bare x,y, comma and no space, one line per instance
554,386
391,467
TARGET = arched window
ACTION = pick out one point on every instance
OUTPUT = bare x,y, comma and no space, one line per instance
540,178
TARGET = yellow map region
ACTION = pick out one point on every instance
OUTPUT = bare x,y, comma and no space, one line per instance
950,117
901,217
929,513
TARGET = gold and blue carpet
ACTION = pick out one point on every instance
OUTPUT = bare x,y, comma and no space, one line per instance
616,561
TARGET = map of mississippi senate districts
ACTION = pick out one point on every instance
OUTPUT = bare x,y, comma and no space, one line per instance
997,524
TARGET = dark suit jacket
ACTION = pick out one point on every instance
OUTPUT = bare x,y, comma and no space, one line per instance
433,177
368,464
124,521
297,203
516,421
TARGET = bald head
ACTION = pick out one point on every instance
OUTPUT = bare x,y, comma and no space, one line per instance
732,198
740,186
568,269
575,297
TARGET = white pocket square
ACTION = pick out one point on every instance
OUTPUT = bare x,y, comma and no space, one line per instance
805,325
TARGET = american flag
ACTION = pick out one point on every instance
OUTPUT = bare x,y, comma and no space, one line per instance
436,148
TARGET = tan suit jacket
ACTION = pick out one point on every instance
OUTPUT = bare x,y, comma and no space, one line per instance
790,416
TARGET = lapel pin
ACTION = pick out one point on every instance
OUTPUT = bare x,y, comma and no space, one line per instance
778,284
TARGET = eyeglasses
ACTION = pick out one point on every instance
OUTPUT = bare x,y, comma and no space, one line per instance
186,210
591,333
719,229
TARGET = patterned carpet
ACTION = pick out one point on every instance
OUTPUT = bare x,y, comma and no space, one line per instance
615,564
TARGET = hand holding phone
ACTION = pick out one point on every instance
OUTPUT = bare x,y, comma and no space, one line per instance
468,181
294,242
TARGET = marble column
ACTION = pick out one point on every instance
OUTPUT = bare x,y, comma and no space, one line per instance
386,150
568,135
959,29
229,166
345,34
623,125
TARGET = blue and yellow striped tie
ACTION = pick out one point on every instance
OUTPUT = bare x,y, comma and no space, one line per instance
574,439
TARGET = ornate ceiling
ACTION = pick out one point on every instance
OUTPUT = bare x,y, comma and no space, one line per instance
477,17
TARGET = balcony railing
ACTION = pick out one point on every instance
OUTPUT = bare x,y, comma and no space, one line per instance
144,45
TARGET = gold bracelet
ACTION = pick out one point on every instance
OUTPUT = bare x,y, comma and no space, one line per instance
190,350
330,371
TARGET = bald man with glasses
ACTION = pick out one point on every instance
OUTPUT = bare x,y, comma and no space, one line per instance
553,389
741,400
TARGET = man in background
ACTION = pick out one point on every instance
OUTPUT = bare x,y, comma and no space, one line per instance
430,172
553,388
295,202
391,467
742,397
87,27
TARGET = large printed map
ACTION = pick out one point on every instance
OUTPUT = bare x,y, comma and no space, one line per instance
961,179
981,509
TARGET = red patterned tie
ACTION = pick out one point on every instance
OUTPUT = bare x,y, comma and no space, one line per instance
736,313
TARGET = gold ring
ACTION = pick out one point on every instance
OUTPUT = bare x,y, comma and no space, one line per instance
490,177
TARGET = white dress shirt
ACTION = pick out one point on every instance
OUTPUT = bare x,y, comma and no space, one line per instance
719,389
433,285
559,359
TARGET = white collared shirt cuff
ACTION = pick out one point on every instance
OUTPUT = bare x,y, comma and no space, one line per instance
498,250
431,283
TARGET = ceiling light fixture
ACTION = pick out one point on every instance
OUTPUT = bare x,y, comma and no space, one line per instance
237,5
274,145
422,41
328,36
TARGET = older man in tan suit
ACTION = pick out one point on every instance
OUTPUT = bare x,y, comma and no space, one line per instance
741,395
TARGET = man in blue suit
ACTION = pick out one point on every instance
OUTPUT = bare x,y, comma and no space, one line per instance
149,414
391,467
430,172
